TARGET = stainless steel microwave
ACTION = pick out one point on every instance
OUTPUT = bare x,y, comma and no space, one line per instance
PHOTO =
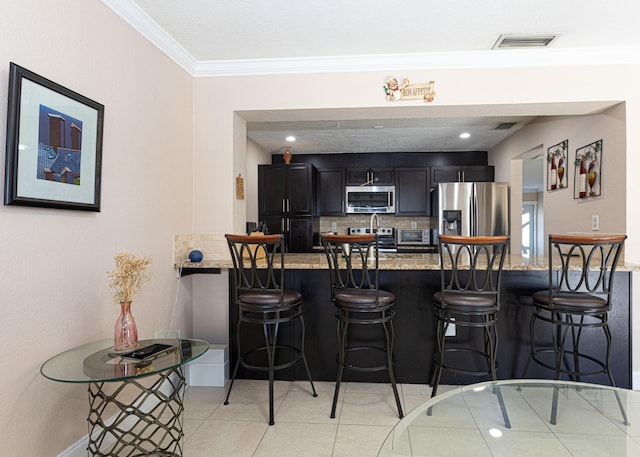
370,199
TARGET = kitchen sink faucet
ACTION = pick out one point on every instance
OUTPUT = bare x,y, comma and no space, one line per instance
374,217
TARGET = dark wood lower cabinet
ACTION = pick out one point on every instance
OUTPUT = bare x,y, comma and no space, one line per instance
415,329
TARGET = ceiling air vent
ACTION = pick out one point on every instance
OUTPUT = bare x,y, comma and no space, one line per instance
504,125
514,40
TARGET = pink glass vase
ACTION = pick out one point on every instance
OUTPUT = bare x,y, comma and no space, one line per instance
125,332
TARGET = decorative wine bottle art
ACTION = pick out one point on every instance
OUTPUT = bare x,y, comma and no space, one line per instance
582,179
591,177
560,172
588,177
556,158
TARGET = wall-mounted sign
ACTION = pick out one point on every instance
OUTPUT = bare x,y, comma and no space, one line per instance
405,91
239,187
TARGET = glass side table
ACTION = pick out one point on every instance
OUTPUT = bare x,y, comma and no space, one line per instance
547,418
146,406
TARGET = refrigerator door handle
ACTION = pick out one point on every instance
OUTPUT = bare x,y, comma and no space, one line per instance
474,214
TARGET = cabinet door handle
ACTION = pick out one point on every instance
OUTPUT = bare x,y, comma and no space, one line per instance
282,225
288,205
462,175
288,225
284,206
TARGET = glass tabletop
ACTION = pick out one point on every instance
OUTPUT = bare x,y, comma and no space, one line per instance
468,421
97,361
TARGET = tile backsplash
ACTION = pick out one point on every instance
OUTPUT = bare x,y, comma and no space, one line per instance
213,246
363,220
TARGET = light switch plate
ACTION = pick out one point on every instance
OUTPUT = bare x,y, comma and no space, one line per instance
595,222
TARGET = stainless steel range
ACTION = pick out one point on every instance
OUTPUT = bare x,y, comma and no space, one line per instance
386,236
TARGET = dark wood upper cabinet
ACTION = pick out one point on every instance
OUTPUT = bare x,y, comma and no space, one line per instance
272,191
300,188
331,183
370,176
285,189
286,198
412,191
466,173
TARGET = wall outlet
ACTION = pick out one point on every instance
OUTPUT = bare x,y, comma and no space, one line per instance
334,225
595,222
451,329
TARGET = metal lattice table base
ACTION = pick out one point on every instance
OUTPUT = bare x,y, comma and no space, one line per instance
148,420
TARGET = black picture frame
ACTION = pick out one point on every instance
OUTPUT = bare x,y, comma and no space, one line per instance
590,157
558,155
54,145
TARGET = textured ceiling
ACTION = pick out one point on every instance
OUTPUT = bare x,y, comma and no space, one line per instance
214,30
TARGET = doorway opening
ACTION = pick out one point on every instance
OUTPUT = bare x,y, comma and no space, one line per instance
533,166
529,224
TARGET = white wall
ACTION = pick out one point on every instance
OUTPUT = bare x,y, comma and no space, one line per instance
53,281
562,212
255,156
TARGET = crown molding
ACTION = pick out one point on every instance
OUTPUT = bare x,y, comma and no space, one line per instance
433,61
148,28
131,13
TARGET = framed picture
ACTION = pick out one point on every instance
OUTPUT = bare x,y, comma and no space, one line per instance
557,166
588,171
54,145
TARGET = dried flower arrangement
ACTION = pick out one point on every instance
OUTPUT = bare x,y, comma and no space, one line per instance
128,275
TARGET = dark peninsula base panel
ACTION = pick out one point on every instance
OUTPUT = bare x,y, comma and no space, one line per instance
415,329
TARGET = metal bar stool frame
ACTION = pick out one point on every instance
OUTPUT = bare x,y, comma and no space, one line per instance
354,276
262,299
469,296
579,297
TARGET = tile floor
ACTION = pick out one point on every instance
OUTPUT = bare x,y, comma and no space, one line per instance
365,415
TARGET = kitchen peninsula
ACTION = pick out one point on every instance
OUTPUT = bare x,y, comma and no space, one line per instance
413,278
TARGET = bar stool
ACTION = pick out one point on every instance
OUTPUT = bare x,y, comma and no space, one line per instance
469,298
262,300
581,271
358,300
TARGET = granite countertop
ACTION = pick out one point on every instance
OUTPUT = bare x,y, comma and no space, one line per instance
388,261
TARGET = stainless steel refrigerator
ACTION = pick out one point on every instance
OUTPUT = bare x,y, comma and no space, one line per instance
473,208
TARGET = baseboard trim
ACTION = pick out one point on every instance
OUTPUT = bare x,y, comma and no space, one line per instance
77,449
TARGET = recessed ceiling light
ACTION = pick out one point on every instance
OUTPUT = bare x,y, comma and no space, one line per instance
290,138
465,135
378,126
